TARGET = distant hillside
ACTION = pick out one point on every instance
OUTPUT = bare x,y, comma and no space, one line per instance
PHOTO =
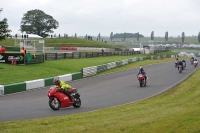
67,42
128,35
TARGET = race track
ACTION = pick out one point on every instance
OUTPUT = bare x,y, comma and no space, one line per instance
96,93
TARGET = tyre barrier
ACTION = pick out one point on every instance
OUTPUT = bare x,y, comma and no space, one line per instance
89,71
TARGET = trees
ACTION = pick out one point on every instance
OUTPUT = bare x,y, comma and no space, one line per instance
166,36
38,22
152,35
4,31
86,37
138,36
111,36
128,35
99,37
199,37
183,37
124,36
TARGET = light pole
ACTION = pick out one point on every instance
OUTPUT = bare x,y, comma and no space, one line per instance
1,9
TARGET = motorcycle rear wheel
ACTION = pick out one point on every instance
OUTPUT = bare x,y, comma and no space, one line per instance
53,105
77,104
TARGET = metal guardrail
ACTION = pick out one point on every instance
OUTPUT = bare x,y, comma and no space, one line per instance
73,55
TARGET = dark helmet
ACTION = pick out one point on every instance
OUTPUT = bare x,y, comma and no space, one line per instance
141,68
56,81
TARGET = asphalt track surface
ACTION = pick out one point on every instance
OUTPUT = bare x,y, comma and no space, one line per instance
96,92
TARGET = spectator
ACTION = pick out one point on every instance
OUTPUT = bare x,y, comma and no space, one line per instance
23,51
102,50
2,50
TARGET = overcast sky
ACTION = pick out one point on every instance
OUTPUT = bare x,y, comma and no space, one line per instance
105,16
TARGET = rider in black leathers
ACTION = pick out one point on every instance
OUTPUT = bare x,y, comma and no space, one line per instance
141,71
192,60
180,63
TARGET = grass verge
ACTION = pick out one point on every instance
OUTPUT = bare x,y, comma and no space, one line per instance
176,110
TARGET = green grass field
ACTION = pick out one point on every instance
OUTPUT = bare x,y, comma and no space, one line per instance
175,111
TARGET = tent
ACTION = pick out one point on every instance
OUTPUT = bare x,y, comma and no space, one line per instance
19,36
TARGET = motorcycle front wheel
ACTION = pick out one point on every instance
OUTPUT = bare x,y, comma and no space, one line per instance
53,105
141,83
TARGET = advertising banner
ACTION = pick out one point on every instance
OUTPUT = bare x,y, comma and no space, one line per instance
8,57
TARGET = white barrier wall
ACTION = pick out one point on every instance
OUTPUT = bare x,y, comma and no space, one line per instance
66,77
1,89
34,84
172,56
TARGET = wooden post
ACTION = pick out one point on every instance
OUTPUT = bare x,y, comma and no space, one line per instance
56,56
45,56
65,55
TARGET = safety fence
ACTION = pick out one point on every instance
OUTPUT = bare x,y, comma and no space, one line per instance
72,55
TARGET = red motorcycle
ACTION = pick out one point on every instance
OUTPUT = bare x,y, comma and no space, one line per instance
141,79
176,63
58,99
195,63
